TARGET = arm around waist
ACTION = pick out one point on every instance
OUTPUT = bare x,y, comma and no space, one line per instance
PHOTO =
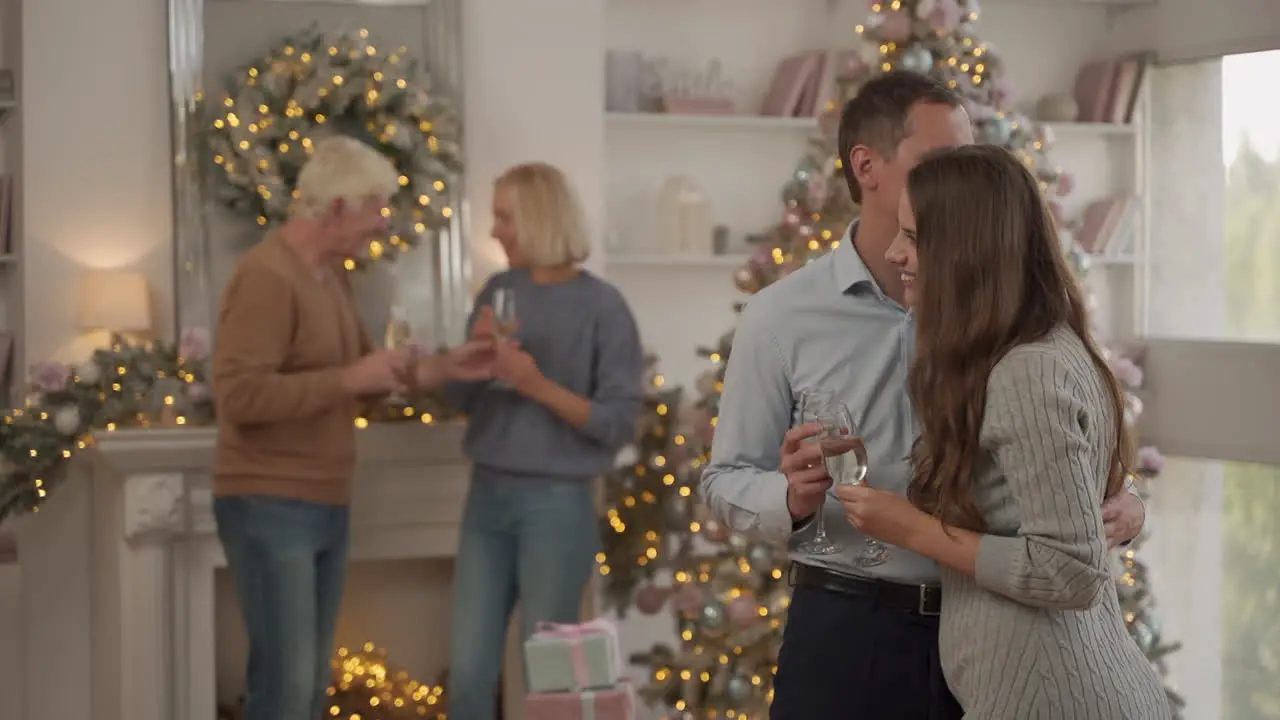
1058,559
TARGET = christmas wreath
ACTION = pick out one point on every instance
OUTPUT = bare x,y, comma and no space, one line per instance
264,128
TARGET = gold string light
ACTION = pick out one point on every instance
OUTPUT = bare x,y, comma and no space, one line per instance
364,687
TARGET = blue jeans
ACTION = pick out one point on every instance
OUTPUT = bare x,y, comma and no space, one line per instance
288,561
530,541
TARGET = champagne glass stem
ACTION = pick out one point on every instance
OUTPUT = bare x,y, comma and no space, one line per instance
820,527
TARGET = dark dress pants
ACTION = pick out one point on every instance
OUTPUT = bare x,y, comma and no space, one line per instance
845,658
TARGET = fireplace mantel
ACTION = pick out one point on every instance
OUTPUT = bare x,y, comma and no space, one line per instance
118,566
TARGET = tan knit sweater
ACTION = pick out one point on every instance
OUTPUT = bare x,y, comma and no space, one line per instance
285,423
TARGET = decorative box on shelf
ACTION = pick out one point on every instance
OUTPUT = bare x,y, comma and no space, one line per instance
694,105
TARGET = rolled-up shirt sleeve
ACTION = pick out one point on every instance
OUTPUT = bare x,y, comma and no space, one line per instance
741,485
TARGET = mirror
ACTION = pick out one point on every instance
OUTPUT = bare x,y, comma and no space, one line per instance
212,43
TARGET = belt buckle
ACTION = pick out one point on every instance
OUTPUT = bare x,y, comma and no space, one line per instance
923,606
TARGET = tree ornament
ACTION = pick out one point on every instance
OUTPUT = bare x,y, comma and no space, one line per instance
651,599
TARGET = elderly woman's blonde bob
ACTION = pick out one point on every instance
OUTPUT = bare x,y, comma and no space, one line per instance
549,220
343,168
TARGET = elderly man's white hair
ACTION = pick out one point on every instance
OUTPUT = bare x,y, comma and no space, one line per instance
344,168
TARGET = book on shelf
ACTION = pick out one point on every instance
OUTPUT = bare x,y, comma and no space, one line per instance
6,358
794,78
1107,90
804,83
6,215
1109,226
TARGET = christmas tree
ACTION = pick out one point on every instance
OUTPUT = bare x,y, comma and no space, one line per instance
729,592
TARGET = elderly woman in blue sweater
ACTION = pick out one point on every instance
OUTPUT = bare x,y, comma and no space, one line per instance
566,398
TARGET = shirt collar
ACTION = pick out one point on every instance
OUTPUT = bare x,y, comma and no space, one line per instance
851,272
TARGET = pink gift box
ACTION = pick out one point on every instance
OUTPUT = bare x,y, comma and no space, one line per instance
616,703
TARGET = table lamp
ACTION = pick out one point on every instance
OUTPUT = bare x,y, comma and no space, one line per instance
115,301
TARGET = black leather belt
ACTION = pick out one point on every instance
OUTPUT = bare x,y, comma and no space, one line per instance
925,600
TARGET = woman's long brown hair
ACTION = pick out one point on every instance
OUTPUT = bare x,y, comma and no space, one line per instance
991,276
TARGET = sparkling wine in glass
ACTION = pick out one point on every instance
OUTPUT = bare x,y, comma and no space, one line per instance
816,404
504,313
845,456
504,324
399,335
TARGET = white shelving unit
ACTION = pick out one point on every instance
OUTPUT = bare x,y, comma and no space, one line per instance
741,161
666,262
1107,159
624,121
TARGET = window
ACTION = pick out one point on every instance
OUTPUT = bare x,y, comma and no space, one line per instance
1215,235
1213,300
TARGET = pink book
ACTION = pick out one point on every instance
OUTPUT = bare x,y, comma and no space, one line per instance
1101,222
1093,90
1123,90
789,82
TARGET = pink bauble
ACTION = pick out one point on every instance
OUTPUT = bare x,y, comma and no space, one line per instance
763,256
895,26
946,16
817,195
689,599
1150,460
744,610
651,598
853,66
1066,183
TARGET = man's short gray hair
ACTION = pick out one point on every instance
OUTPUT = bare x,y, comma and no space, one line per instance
343,168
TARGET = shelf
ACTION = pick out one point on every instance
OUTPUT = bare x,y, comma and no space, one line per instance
1096,129
676,261
8,259
712,122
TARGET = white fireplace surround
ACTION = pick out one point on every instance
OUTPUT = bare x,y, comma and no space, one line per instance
118,597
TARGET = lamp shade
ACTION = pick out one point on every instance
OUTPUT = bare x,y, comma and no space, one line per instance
114,300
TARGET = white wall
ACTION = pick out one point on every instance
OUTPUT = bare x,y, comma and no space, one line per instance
1180,30
534,87
95,119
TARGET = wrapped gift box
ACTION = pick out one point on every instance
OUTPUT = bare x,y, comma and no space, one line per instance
570,658
616,703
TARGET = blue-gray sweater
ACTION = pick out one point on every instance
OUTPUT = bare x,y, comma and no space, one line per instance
584,337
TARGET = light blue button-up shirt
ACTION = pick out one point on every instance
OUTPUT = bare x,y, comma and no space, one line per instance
826,325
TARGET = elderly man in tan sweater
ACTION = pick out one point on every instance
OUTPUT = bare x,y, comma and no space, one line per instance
291,364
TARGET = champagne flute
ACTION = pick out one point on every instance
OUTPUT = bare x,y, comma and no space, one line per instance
815,404
504,313
504,323
845,456
398,335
